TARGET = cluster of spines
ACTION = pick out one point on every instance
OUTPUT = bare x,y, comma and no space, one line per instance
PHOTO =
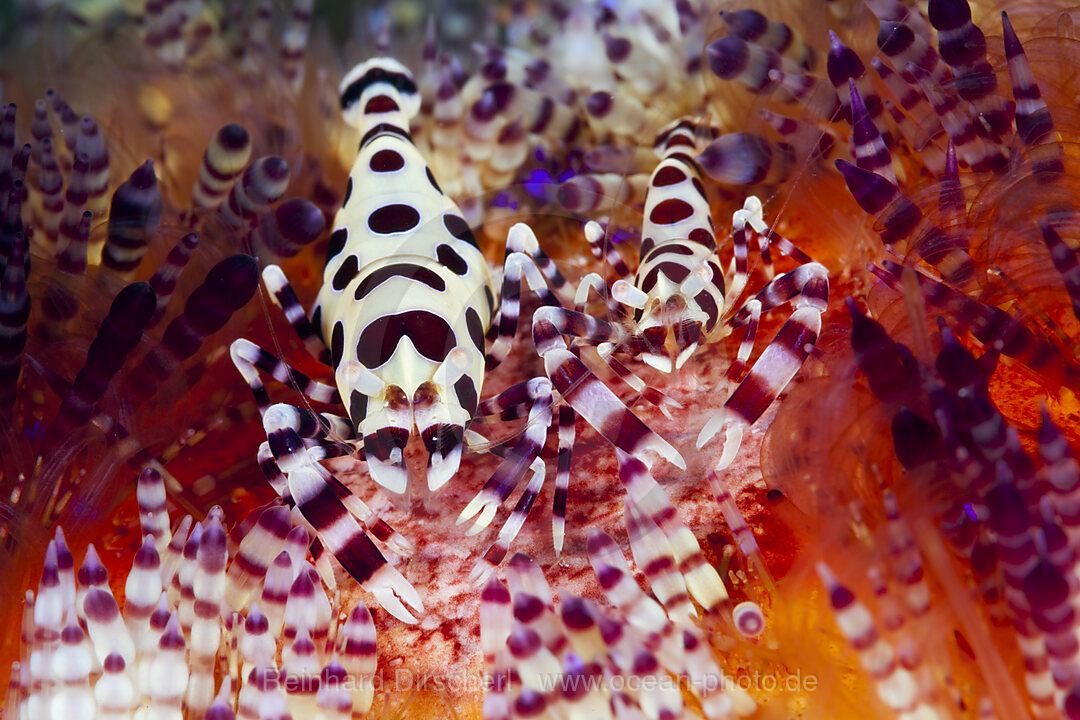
991,326
194,636
883,168
895,677
228,287
479,128
1023,143
583,660
939,85
619,115
240,197
185,35
1008,517
902,111
14,268
936,235
60,218
39,217
134,311
245,196
755,53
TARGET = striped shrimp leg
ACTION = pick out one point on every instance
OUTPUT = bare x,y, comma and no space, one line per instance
312,488
743,534
522,458
283,295
605,352
497,407
745,221
551,323
778,363
601,408
524,260
325,435
595,235
368,518
664,403
249,359
296,439
589,397
567,419
508,407
607,253
807,288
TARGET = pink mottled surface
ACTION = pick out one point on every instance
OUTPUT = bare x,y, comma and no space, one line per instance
438,660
